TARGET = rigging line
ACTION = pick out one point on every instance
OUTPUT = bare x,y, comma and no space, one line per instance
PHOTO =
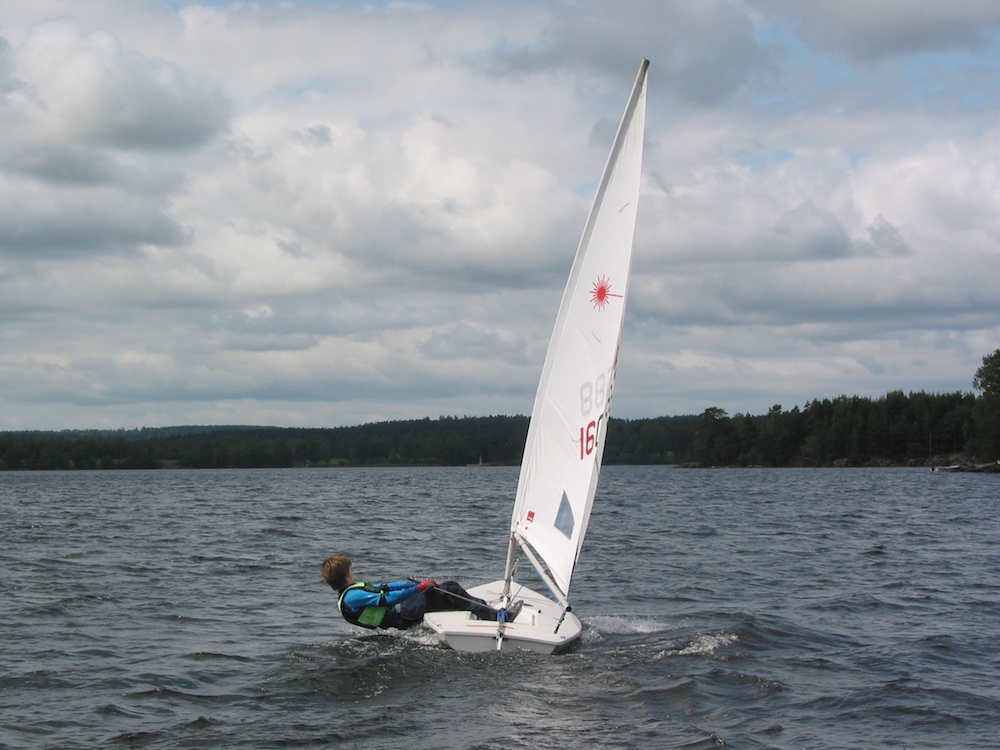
524,583
449,593
543,574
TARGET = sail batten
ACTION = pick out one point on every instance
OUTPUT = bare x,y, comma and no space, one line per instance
565,444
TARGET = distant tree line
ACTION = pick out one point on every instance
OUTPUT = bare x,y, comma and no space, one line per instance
896,429
447,441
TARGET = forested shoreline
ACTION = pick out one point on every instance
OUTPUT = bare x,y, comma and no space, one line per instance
915,429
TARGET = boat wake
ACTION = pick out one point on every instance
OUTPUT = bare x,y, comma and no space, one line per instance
621,625
703,644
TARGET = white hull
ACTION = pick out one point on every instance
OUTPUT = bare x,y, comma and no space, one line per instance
533,630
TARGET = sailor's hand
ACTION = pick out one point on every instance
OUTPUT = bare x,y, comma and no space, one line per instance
429,583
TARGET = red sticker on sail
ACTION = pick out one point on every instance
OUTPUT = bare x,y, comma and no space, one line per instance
531,516
601,294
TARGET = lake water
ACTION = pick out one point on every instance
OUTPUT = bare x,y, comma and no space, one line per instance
788,608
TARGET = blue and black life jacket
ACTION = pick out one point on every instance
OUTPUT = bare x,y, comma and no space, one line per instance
366,617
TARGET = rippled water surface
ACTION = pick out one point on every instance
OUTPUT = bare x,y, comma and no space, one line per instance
726,608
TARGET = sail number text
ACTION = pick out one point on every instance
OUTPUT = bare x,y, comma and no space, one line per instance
588,437
594,397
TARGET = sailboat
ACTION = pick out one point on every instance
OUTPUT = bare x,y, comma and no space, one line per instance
565,443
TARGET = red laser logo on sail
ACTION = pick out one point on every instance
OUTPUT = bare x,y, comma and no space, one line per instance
601,294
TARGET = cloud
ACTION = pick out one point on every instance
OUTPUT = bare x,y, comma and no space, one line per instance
705,52
85,124
330,212
8,81
812,231
885,239
887,28
45,222
90,91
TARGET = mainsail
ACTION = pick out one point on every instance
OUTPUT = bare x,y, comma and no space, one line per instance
565,443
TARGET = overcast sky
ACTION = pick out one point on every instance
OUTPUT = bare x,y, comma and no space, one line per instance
329,213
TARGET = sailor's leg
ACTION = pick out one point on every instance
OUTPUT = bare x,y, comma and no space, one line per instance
452,596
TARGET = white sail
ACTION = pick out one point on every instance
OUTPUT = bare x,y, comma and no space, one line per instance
565,443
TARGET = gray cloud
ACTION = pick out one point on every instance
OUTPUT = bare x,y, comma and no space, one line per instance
9,83
86,125
102,95
45,223
812,232
705,52
886,239
876,30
